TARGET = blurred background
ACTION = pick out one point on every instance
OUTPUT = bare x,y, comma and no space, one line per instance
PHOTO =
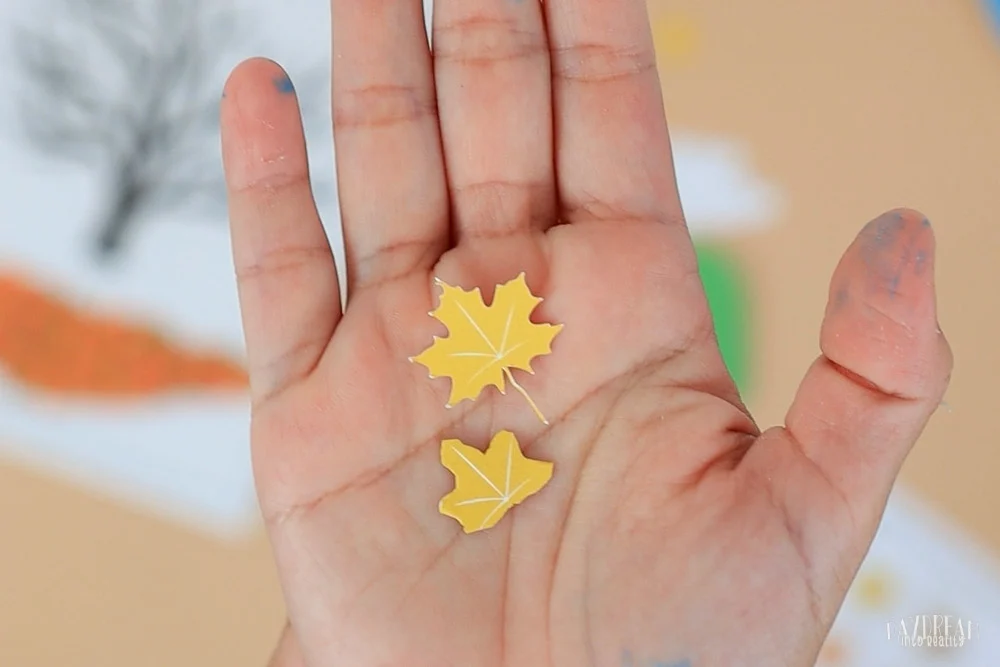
129,532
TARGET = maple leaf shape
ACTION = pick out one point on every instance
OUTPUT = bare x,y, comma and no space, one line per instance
489,483
485,342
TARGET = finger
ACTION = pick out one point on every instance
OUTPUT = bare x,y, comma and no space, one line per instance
493,81
289,296
885,363
390,171
613,156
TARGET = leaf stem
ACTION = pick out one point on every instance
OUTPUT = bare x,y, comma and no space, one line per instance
534,407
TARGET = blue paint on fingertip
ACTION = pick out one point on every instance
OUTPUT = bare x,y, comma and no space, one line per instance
284,85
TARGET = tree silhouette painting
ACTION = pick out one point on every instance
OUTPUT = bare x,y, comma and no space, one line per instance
130,88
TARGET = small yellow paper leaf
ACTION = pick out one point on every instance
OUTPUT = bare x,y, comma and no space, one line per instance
485,342
489,483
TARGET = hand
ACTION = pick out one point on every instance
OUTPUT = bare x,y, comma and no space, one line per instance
673,532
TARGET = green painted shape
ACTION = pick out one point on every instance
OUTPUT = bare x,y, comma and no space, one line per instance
725,286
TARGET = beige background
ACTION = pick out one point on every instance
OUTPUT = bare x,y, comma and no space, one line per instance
851,107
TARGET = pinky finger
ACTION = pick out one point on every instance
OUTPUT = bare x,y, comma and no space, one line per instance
288,290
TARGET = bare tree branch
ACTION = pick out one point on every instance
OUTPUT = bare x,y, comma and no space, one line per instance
133,87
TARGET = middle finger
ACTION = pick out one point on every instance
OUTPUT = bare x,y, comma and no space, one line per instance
491,65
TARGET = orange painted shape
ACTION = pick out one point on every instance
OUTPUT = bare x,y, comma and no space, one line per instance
52,346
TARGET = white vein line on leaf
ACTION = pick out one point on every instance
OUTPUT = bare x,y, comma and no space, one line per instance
478,471
477,501
520,389
492,512
492,363
477,327
504,502
516,489
506,330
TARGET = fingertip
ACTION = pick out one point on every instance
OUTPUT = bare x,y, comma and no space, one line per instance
252,72
881,320
262,137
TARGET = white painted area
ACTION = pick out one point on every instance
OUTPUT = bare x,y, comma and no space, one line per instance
721,192
935,568
185,458
182,457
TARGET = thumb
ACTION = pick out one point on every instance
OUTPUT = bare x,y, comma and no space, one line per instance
884,368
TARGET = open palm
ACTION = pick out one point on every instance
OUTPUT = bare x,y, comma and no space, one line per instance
673,530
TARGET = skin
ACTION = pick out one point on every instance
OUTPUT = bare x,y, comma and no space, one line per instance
674,530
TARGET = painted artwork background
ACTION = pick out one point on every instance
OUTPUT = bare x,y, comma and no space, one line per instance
180,449
131,523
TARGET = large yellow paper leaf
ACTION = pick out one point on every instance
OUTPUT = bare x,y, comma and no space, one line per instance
485,342
489,483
